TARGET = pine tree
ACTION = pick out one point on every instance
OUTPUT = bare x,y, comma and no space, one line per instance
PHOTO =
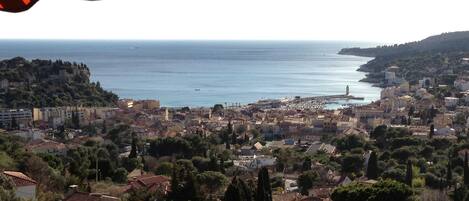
133,151
226,135
372,169
233,138
449,174
191,189
233,193
264,190
466,170
175,185
14,124
222,165
104,130
306,164
432,131
408,175
237,191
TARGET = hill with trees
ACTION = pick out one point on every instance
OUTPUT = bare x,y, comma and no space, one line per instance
439,54
46,83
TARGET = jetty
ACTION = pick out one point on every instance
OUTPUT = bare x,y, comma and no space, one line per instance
312,102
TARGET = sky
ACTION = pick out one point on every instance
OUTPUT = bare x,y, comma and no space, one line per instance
387,21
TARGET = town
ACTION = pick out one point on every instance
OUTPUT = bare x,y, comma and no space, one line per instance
413,136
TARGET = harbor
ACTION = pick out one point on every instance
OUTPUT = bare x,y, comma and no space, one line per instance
310,102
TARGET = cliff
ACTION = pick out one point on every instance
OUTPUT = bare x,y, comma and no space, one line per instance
46,83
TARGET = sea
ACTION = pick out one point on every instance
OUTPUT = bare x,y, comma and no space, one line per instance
204,73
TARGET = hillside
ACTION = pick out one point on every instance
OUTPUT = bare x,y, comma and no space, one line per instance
439,54
46,83
446,42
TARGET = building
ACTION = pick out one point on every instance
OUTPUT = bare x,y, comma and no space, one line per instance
451,101
22,117
4,84
47,146
25,187
149,182
461,84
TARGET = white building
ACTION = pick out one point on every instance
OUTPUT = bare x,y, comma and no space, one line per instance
4,84
461,84
451,101
23,117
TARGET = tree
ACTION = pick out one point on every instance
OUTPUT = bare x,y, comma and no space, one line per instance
306,164
183,185
372,169
385,190
14,124
120,175
408,175
237,191
8,195
133,151
352,163
449,174
306,181
104,129
264,190
76,119
350,142
226,135
432,131
212,182
466,170
165,168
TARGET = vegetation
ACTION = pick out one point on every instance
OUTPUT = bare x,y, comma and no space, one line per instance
46,83
385,190
425,58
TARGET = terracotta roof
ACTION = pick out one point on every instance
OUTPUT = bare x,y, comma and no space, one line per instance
79,196
20,179
151,182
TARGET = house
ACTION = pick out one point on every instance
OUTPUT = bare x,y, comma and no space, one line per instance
318,146
152,183
461,84
357,132
451,101
247,151
80,196
4,84
25,187
22,117
47,146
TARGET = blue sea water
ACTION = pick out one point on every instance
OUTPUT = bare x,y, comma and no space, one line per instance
203,73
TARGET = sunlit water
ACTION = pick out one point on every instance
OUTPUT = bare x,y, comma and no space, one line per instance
203,73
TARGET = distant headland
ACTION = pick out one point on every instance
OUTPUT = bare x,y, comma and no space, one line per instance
442,54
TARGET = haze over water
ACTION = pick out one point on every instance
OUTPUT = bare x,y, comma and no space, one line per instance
203,73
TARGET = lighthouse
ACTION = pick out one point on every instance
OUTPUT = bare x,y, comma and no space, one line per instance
347,90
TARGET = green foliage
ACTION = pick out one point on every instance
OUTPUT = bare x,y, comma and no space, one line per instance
186,147
120,175
8,195
306,181
164,168
50,88
409,175
386,190
350,142
352,163
237,191
264,189
212,182
306,164
372,169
